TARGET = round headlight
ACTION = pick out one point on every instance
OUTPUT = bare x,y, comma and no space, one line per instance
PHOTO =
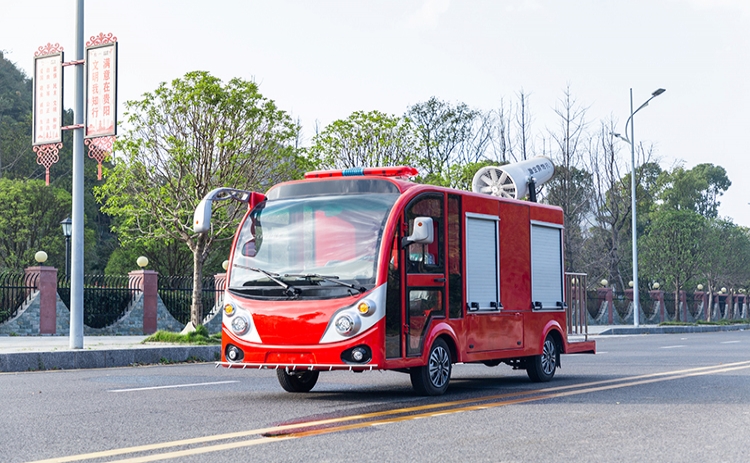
240,325
347,324
229,310
366,307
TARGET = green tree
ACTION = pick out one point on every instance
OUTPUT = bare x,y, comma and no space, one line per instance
363,139
449,135
571,189
697,189
185,139
671,248
30,222
725,251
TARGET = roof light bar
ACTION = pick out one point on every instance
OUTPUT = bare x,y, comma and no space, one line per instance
393,171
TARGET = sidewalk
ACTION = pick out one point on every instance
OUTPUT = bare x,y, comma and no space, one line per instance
31,353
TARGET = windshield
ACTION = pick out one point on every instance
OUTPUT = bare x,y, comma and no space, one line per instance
321,246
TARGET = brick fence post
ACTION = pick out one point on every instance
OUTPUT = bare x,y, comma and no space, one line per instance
148,282
45,280
605,294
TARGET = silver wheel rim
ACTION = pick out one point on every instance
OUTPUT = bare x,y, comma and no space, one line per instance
549,362
440,367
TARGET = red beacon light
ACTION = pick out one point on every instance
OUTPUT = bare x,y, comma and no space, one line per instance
392,171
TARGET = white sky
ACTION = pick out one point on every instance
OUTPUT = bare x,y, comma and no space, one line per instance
322,60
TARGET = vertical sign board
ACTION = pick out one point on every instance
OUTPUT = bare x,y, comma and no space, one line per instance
101,91
48,94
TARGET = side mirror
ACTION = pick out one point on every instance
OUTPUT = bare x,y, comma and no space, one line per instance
202,214
422,232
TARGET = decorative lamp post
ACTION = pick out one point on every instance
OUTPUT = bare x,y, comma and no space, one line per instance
40,257
142,261
67,228
631,141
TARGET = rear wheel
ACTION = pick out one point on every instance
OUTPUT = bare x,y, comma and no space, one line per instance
297,381
432,379
541,368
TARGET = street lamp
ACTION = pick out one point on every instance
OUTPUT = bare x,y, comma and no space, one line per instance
67,228
631,141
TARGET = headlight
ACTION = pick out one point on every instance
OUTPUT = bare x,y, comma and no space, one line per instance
240,325
229,310
347,324
366,307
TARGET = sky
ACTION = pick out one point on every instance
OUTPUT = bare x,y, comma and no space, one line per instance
322,60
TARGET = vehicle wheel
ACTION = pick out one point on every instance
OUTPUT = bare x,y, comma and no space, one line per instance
433,378
297,381
541,368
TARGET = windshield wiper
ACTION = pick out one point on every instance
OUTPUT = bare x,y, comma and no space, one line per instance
289,290
329,278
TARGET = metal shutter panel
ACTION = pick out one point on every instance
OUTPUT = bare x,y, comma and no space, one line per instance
546,266
481,262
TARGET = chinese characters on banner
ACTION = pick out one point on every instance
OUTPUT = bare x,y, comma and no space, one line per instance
101,102
48,98
100,124
47,110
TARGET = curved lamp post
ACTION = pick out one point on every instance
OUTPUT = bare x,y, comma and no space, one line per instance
631,141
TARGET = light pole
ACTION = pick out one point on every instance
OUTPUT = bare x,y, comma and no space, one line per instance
631,141
67,228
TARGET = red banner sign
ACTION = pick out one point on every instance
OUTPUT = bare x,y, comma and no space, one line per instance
101,89
48,93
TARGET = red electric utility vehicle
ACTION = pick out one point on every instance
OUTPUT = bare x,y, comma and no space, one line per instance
363,269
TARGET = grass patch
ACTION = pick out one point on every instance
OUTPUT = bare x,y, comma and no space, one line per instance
739,321
199,337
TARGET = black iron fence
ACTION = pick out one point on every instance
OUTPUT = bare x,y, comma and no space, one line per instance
105,298
177,294
15,287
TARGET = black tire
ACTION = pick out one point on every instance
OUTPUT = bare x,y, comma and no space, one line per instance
433,378
541,368
297,381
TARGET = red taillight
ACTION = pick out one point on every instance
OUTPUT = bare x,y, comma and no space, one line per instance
392,171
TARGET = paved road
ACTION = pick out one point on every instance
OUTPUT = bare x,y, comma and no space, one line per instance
677,397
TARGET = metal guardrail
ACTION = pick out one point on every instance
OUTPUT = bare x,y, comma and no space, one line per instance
177,294
105,298
576,304
15,289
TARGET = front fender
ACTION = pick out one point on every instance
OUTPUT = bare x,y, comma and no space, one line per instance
445,330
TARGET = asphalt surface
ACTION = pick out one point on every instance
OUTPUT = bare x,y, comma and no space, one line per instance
33,353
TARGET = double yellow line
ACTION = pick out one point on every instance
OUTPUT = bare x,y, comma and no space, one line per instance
344,423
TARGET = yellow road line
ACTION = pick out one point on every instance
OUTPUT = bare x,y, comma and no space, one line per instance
546,393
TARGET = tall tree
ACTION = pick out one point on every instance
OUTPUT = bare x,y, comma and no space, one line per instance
30,222
364,140
611,208
523,147
725,251
697,189
672,246
571,187
185,139
448,135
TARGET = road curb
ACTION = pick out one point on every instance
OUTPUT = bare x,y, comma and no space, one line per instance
672,329
106,358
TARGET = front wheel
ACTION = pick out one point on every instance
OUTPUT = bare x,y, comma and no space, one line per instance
294,381
432,379
541,368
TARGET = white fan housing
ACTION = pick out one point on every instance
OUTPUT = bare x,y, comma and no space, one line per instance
512,180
